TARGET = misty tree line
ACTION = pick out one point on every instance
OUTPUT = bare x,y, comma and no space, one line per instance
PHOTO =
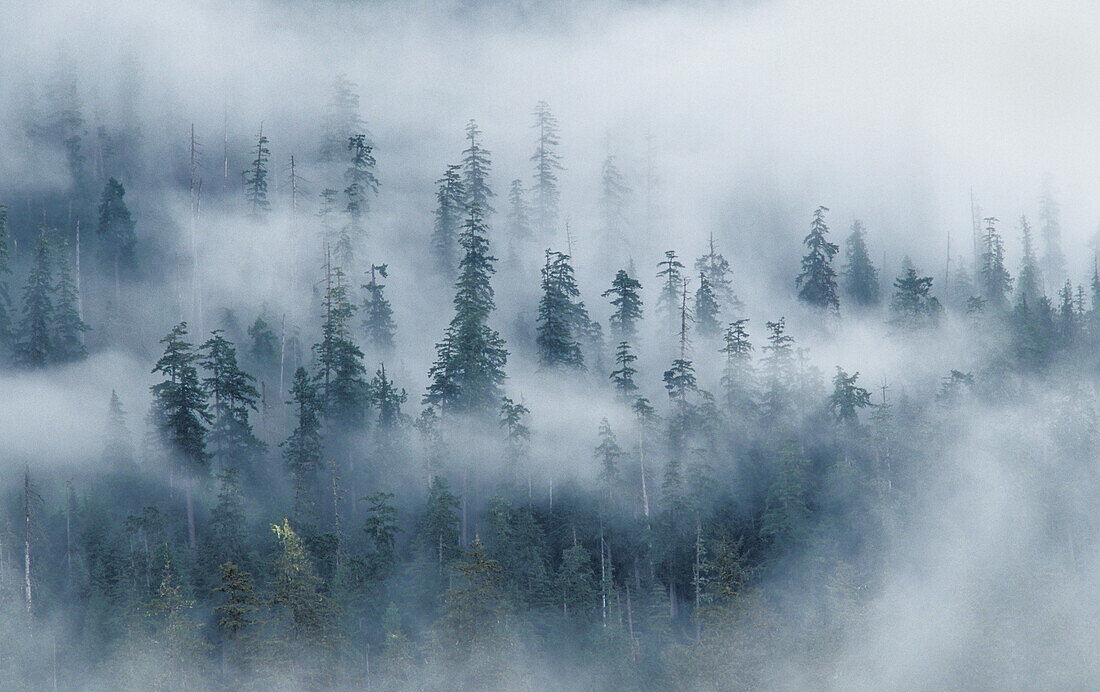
341,537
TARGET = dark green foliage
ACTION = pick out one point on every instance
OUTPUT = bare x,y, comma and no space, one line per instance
847,398
1029,286
561,314
180,412
303,449
623,375
264,349
547,164
361,185
738,378
255,179
377,313
232,396
476,164
576,583
680,380
817,282
473,618
778,371
116,230
34,344
607,454
69,328
672,280
382,394
784,521
439,524
340,368
996,282
714,266
628,305
236,614
449,212
913,306
513,418
381,530
295,590
706,308
860,278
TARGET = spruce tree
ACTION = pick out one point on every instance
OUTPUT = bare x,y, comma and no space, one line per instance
116,231
613,197
913,306
706,308
577,583
778,365
232,396
450,205
847,398
560,313
377,313
68,331
439,525
623,375
737,373
547,164
34,346
1050,226
996,282
716,268
264,350
476,164
860,278
513,418
628,305
361,184
295,590
519,216
817,282
255,179
7,316
1029,287
340,369
303,449
383,395
672,279
607,453
118,450
342,119
236,614
469,368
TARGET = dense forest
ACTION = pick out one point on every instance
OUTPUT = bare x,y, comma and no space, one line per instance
283,411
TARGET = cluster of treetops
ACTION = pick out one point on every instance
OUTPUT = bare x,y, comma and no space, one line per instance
345,539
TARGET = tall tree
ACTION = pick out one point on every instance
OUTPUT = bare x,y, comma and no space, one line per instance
996,281
547,164
737,374
295,589
118,450
236,614
232,396
623,375
778,371
476,164
517,434
255,179
706,308
68,333
383,395
450,205
116,232
303,449
519,217
860,278
377,313
1029,287
560,315
847,398
1050,227
913,306
716,268
817,282
627,303
340,369
34,346
613,198
342,119
361,184
469,368
672,281
607,453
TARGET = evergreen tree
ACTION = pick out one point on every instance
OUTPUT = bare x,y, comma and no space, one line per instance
576,582
342,119
560,314
450,204
547,164
623,375
232,396
513,418
264,350
331,234
237,613
737,373
714,266
303,449
476,164
778,363
847,398
381,529
469,368
34,346
607,453
680,381
628,305
340,369
672,280
439,525
7,316
913,307
613,197
473,618
1029,286
118,451
519,216
377,313
255,179
361,184
817,282
384,395
786,507
179,402
860,278
295,589
996,282
116,231
1050,226
68,335
706,308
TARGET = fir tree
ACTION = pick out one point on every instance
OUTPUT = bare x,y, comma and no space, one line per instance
7,316
68,334
737,373
1029,285
381,529
1050,226
860,278
34,346
303,449
342,119
179,402
607,453
714,266
232,396
817,282
340,369
469,368
118,450
473,617
361,184
628,305
476,164
996,282
513,418
255,179
672,279
560,314
237,613
377,313
706,308
547,164
439,525
778,363
450,204
847,398
295,589
613,197
116,231
576,582
623,375
383,394
519,216
264,350
913,306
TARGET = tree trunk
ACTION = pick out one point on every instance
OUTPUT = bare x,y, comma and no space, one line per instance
190,514
27,538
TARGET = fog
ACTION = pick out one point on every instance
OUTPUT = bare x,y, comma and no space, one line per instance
939,536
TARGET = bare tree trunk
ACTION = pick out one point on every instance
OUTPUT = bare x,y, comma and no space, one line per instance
69,532
465,492
27,537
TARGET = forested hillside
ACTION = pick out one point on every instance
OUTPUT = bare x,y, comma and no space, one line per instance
291,400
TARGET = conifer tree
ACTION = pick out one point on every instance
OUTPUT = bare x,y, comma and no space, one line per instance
340,369
255,179
469,368
116,231
716,268
628,305
383,394
236,614
476,164
517,434
860,278
295,589
547,164
519,216
737,373
232,396
342,119
303,449
118,451
473,618
1050,226
68,331
264,350
613,198
560,315
439,525
913,306
576,582
608,452
778,365
817,282
706,308
1030,284
377,313
672,280
996,282
361,184
34,344
847,398
623,375
326,213
7,316
450,205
